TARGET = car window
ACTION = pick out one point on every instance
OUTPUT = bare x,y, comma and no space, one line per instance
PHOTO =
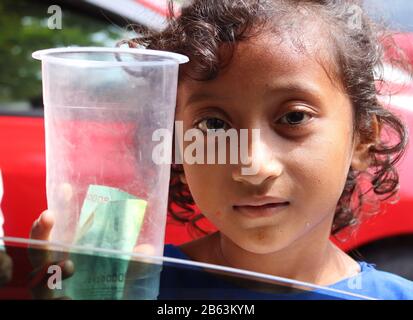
113,275
397,14
27,26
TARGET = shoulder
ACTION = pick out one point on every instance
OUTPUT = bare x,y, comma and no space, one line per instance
378,284
173,251
392,286
183,280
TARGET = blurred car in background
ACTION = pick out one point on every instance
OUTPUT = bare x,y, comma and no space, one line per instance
385,239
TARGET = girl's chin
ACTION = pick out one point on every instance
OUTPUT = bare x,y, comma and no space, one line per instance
258,243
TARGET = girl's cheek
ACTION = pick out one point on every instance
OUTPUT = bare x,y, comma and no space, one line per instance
215,217
321,169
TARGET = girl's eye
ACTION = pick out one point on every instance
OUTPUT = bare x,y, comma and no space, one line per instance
212,124
295,118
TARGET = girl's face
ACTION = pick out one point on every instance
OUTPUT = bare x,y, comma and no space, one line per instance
303,154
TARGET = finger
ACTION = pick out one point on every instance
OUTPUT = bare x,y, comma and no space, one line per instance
39,255
65,192
40,275
142,264
42,226
68,269
6,268
145,248
39,279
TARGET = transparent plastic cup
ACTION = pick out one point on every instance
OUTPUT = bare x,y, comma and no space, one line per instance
102,107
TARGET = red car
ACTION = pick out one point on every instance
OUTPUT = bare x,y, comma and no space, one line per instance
385,239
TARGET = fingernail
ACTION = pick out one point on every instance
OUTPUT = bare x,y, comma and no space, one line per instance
145,249
46,217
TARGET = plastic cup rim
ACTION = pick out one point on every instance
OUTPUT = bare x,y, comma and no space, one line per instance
47,55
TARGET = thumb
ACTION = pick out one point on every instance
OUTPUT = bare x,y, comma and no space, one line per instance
39,254
42,226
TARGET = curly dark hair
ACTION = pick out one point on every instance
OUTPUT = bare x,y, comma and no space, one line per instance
358,45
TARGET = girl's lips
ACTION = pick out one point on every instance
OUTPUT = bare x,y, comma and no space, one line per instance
262,210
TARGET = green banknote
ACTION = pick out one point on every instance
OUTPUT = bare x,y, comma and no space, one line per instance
110,219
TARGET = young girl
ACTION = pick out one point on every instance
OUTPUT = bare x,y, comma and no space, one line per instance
304,73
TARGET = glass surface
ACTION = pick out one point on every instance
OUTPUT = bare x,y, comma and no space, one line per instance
147,277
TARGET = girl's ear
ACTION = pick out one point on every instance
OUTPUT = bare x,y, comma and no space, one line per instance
362,159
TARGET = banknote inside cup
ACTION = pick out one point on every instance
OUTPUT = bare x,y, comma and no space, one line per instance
109,219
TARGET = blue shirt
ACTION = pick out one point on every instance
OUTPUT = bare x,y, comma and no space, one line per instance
191,282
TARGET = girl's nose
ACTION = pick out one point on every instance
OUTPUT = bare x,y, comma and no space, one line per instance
262,166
